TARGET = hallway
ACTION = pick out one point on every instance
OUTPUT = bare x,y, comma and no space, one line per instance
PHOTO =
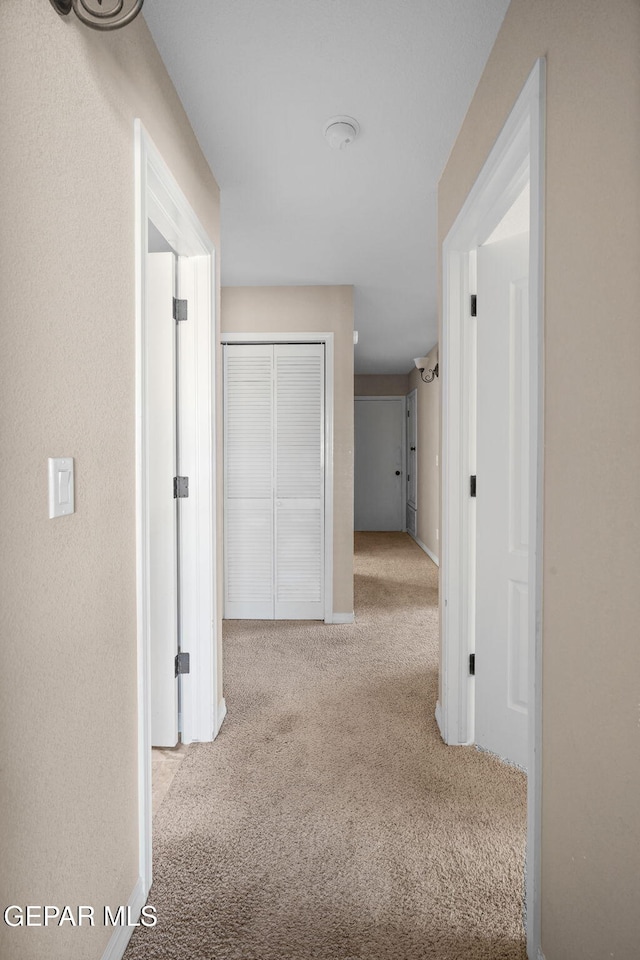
328,820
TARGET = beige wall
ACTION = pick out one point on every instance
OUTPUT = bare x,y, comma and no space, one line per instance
67,364
308,310
591,650
381,385
428,489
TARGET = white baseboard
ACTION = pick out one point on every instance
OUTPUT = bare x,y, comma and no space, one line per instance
541,955
342,618
424,547
121,935
222,712
439,719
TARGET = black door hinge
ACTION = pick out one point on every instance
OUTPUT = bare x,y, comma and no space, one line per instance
474,305
180,487
179,309
182,663
472,486
472,664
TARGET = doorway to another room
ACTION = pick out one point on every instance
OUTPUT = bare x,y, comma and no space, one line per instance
490,693
178,699
379,463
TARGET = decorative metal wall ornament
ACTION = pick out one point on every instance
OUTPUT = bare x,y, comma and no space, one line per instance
421,366
431,374
100,14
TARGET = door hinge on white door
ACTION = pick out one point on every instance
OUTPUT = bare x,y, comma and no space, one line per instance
180,487
474,305
472,664
472,485
182,663
179,309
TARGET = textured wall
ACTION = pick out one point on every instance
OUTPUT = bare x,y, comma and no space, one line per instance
313,309
591,653
428,449
68,738
381,385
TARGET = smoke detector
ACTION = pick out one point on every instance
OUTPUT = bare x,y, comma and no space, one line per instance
341,131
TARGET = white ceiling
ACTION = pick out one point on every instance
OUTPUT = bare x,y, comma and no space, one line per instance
259,79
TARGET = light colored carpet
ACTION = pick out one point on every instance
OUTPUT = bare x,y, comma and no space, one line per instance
328,821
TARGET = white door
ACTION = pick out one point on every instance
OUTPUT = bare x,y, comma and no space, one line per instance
379,464
274,481
161,438
502,498
299,481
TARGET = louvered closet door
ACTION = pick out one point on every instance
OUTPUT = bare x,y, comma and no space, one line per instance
274,481
299,481
248,460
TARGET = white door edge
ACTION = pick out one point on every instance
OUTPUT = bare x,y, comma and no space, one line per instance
517,155
159,197
328,340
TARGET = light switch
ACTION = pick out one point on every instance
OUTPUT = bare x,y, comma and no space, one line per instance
61,498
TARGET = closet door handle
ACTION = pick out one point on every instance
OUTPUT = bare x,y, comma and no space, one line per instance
397,473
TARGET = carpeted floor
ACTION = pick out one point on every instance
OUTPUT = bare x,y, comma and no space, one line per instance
328,821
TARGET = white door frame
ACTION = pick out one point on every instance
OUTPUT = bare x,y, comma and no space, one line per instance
159,198
327,339
517,156
412,393
403,454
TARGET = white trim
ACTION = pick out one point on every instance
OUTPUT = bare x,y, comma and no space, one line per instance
159,197
517,155
414,506
328,340
536,454
342,618
121,935
222,712
439,718
426,549
541,955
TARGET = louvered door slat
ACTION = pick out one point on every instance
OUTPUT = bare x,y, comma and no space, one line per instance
299,481
248,459
248,422
274,481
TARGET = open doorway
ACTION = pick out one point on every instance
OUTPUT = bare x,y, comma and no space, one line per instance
178,700
379,463
492,448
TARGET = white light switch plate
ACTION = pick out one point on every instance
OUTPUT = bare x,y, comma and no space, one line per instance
61,492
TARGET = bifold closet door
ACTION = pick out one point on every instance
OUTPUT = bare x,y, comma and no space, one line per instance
299,481
274,481
248,482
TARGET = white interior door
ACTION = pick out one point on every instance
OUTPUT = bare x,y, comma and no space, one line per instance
502,499
163,586
379,463
274,481
248,470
